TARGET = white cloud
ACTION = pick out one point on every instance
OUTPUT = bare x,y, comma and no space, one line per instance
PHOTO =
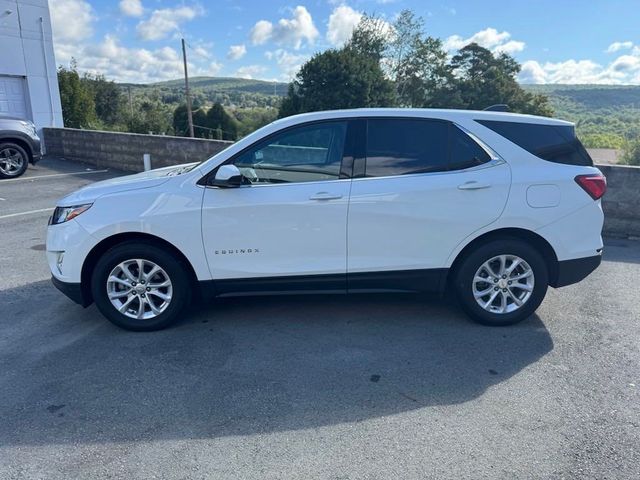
625,63
532,72
250,71
288,63
130,64
131,8
136,65
236,52
511,47
165,21
288,31
615,46
261,32
72,20
621,71
342,21
490,38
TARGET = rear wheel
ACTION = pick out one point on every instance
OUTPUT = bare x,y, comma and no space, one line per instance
502,282
13,160
140,287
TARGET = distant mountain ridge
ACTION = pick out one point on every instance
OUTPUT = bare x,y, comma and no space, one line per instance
223,84
605,115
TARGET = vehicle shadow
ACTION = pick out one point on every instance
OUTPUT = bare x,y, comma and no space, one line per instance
242,366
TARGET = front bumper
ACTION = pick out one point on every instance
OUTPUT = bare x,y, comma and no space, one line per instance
36,150
574,270
72,290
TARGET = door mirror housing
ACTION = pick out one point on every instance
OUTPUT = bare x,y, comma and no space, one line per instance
227,176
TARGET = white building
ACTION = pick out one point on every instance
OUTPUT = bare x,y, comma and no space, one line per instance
28,80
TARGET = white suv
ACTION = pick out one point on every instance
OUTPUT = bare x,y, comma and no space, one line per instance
494,206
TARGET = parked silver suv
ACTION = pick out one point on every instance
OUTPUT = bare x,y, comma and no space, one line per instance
19,146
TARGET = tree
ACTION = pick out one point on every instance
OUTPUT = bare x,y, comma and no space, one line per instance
370,37
78,106
342,78
224,126
251,119
631,155
108,98
149,117
482,79
181,122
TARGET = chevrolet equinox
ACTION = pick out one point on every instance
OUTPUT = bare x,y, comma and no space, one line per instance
492,206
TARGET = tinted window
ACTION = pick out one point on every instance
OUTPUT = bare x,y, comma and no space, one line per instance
404,146
555,143
465,152
303,154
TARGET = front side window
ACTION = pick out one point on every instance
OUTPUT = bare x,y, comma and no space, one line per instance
308,153
405,146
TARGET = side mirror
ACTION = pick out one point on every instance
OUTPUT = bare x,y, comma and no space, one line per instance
227,176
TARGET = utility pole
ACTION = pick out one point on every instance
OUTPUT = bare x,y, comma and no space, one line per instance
186,90
130,105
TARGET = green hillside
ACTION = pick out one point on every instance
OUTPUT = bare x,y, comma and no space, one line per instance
231,92
605,115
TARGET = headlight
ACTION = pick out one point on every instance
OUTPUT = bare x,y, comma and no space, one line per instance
64,214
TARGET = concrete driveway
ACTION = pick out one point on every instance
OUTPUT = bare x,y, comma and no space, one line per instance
331,387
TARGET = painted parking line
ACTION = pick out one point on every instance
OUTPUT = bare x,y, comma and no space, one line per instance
30,212
52,175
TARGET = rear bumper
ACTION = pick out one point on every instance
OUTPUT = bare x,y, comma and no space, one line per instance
72,290
575,270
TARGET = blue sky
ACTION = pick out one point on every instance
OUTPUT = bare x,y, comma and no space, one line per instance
561,41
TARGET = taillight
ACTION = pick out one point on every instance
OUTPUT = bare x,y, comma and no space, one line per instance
595,184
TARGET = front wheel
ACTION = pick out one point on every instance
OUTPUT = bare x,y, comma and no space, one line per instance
13,160
502,282
140,287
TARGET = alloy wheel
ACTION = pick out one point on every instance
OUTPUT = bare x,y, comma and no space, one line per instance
11,161
139,289
503,284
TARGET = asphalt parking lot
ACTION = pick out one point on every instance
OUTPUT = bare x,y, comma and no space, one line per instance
331,387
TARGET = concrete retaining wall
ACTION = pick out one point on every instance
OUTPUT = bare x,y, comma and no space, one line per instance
621,203
124,151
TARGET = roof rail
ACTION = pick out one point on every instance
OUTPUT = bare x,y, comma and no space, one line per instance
499,107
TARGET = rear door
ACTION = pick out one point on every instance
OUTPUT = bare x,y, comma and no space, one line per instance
421,188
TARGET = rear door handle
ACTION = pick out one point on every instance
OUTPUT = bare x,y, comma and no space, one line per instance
325,196
473,185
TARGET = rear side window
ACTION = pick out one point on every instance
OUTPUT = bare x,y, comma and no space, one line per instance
555,143
465,152
405,146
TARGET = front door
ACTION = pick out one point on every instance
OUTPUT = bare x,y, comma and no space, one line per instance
288,223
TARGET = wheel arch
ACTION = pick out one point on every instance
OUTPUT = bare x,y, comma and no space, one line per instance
100,248
21,143
538,242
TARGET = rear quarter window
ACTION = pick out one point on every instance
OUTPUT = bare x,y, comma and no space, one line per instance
554,143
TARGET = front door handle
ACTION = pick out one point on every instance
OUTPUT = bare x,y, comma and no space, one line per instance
473,185
325,196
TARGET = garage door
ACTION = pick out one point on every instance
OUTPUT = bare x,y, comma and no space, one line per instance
13,96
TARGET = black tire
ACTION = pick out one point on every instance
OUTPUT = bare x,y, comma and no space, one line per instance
469,265
14,150
177,272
